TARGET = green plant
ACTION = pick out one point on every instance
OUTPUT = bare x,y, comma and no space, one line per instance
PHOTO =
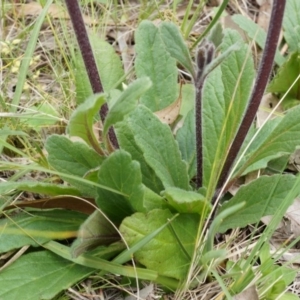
141,193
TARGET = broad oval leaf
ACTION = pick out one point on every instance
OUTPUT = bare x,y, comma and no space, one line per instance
187,142
70,157
159,148
163,253
123,174
176,46
278,138
82,119
225,98
187,201
43,275
126,102
263,196
155,62
74,158
126,141
291,24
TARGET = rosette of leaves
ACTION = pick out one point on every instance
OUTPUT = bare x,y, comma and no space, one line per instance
148,197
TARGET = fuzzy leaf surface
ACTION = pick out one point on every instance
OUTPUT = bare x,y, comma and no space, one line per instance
175,45
70,157
225,97
291,24
109,67
153,200
263,197
187,142
81,120
237,75
126,102
155,62
74,158
159,147
95,231
127,142
37,227
123,174
188,99
279,137
163,253
39,275
186,201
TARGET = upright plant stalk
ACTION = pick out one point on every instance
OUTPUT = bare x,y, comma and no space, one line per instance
204,56
198,131
261,82
88,58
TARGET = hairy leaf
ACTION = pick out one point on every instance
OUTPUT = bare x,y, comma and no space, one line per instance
37,227
279,137
74,158
39,275
291,24
186,201
237,75
175,45
123,174
225,98
163,253
153,200
269,193
188,99
81,121
126,140
159,147
187,142
126,103
155,62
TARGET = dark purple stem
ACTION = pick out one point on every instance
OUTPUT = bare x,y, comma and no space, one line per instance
261,82
88,58
199,146
204,56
